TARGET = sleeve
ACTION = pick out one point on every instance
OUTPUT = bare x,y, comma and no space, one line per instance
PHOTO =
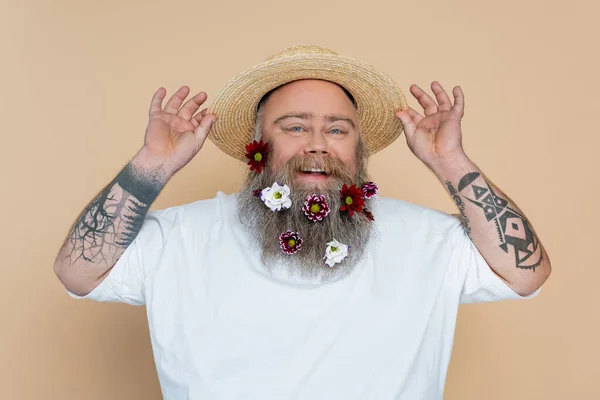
125,283
479,283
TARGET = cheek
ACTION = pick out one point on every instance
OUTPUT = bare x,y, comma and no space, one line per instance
278,161
281,155
350,163
347,155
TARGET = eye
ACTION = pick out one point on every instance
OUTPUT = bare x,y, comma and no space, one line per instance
336,131
295,129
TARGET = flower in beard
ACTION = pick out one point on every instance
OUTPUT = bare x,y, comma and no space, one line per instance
369,190
352,199
368,214
257,153
335,253
315,207
276,197
290,242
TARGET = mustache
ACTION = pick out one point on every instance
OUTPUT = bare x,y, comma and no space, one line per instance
330,166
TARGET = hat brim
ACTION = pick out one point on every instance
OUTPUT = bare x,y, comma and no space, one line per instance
377,98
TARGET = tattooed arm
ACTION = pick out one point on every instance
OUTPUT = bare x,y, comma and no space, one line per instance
113,219
497,227
499,230
108,225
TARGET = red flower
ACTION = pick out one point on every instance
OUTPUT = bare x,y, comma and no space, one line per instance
257,192
315,207
290,242
257,153
369,189
352,199
368,214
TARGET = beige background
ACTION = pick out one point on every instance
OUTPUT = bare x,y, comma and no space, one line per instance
76,78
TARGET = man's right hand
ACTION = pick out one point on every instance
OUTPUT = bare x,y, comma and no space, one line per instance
113,219
176,133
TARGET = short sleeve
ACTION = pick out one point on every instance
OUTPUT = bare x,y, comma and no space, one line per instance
125,283
479,283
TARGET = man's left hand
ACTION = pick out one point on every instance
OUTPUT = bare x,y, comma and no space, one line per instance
436,138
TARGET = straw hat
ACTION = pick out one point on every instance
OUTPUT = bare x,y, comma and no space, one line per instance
377,96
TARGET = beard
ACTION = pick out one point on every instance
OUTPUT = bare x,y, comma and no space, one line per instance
264,226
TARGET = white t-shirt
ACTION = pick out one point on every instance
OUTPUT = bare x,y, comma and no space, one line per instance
223,328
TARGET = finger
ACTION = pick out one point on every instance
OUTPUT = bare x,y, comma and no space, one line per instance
176,100
198,117
441,96
459,101
192,105
203,128
176,123
157,99
407,122
428,104
417,118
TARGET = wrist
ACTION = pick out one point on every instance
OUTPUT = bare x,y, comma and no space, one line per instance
146,160
453,167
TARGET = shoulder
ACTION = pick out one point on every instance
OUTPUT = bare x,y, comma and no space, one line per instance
208,210
396,214
216,207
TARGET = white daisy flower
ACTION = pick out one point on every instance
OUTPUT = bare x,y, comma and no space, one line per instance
276,197
335,253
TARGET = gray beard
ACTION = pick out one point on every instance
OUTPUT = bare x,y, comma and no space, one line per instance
264,226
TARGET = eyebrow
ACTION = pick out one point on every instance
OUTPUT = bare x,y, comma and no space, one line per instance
328,118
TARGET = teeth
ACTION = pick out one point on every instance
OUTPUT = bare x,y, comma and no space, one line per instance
314,170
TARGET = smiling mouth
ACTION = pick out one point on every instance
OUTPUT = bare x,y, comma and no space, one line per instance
314,172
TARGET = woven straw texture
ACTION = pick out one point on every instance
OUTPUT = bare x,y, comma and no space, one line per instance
377,96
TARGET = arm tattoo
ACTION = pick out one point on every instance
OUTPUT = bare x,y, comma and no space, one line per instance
461,207
110,223
514,231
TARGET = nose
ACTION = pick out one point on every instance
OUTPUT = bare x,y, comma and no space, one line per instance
316,144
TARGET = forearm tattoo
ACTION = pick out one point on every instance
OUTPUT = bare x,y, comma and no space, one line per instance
514,232
461,207
111,222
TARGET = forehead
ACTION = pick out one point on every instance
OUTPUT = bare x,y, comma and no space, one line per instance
310,96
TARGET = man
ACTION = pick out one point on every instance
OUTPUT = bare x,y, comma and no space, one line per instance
305,284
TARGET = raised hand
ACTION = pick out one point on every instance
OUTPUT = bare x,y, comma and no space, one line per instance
176,133
437,136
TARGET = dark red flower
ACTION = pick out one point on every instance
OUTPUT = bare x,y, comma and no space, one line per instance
257,153
368,214
352,199
315,207
290,242
369,189
257,192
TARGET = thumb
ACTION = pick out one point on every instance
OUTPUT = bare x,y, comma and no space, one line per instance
407,122
203,128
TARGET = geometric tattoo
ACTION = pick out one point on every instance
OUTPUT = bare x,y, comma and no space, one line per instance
515,234
111,222
461,207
